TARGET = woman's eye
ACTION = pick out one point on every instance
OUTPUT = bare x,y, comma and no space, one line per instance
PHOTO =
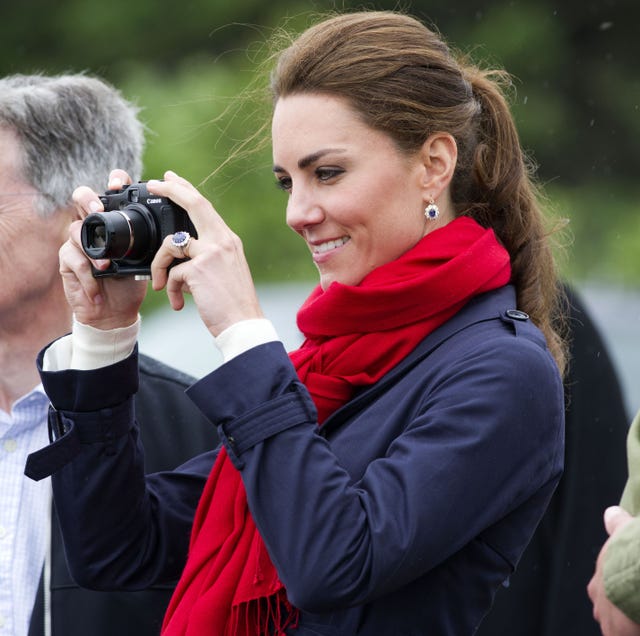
283,183
326,174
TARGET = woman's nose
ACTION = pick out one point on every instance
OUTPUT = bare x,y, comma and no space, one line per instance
303,210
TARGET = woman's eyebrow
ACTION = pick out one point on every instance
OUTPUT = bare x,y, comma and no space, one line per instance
311,158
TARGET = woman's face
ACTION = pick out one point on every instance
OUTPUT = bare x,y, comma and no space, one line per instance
354,198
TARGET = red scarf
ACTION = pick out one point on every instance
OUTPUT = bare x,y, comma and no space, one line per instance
353,336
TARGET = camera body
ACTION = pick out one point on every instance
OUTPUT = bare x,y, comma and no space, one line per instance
131,229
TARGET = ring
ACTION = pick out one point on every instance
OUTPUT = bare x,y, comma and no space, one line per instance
181,240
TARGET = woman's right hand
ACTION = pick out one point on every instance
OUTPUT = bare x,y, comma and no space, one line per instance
103,303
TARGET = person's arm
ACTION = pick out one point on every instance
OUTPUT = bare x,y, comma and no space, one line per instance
621,558
613,589
107,454
614,586
472,453
630,500
106,508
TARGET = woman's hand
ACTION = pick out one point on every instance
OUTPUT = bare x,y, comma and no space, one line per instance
217,273
104,303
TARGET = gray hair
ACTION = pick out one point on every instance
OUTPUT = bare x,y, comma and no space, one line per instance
73,130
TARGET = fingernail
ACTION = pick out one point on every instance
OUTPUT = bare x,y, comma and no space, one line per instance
115,183
94,206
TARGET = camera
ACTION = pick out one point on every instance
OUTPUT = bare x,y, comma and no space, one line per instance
131,230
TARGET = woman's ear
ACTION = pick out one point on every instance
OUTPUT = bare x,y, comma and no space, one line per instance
439,155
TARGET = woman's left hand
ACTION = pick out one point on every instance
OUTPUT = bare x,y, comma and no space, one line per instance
217,273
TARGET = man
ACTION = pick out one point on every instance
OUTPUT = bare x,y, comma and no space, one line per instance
55,133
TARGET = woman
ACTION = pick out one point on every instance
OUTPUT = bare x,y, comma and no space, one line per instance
385,477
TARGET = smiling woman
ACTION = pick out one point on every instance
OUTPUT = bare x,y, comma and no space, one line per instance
354,211
386,475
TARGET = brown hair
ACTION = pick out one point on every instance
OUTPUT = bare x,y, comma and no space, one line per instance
403,79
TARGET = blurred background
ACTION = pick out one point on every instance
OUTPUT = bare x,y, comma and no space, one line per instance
192,65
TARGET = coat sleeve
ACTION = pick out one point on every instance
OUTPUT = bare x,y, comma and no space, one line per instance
631,495
622,570
122,529
622,558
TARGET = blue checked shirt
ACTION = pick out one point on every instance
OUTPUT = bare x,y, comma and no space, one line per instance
24,511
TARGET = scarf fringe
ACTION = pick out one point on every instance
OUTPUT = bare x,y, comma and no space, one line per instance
266,615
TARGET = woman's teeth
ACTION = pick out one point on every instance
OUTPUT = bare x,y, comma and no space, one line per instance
330,245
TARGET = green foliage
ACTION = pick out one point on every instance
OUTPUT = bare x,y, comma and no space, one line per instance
604,223
191,67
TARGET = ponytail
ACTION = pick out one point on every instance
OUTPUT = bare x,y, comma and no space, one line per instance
508,200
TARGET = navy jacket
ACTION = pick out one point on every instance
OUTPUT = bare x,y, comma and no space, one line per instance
402,515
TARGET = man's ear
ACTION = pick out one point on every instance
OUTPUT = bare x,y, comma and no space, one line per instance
439,154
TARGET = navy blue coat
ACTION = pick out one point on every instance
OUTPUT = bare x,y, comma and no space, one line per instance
402,515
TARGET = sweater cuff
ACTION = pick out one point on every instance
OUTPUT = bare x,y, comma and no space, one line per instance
621,571
244,335
89,348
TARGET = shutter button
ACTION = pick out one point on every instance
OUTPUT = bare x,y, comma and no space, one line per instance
516,314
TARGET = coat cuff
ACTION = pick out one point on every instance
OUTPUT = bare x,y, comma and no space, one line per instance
90,390
87,407
68,434
253,397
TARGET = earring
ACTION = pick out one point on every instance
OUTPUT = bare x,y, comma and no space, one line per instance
432,211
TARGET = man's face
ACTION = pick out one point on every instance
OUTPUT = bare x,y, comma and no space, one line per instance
29,243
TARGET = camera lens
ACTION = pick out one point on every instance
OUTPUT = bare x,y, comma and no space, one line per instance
98,237
119,234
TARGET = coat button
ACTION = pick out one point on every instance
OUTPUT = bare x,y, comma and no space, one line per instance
516,314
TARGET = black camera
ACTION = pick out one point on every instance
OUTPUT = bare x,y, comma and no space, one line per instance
131,229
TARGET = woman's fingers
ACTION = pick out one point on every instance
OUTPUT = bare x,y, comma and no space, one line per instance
86,201
75,268
166,255
180,191
104,303
117,179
